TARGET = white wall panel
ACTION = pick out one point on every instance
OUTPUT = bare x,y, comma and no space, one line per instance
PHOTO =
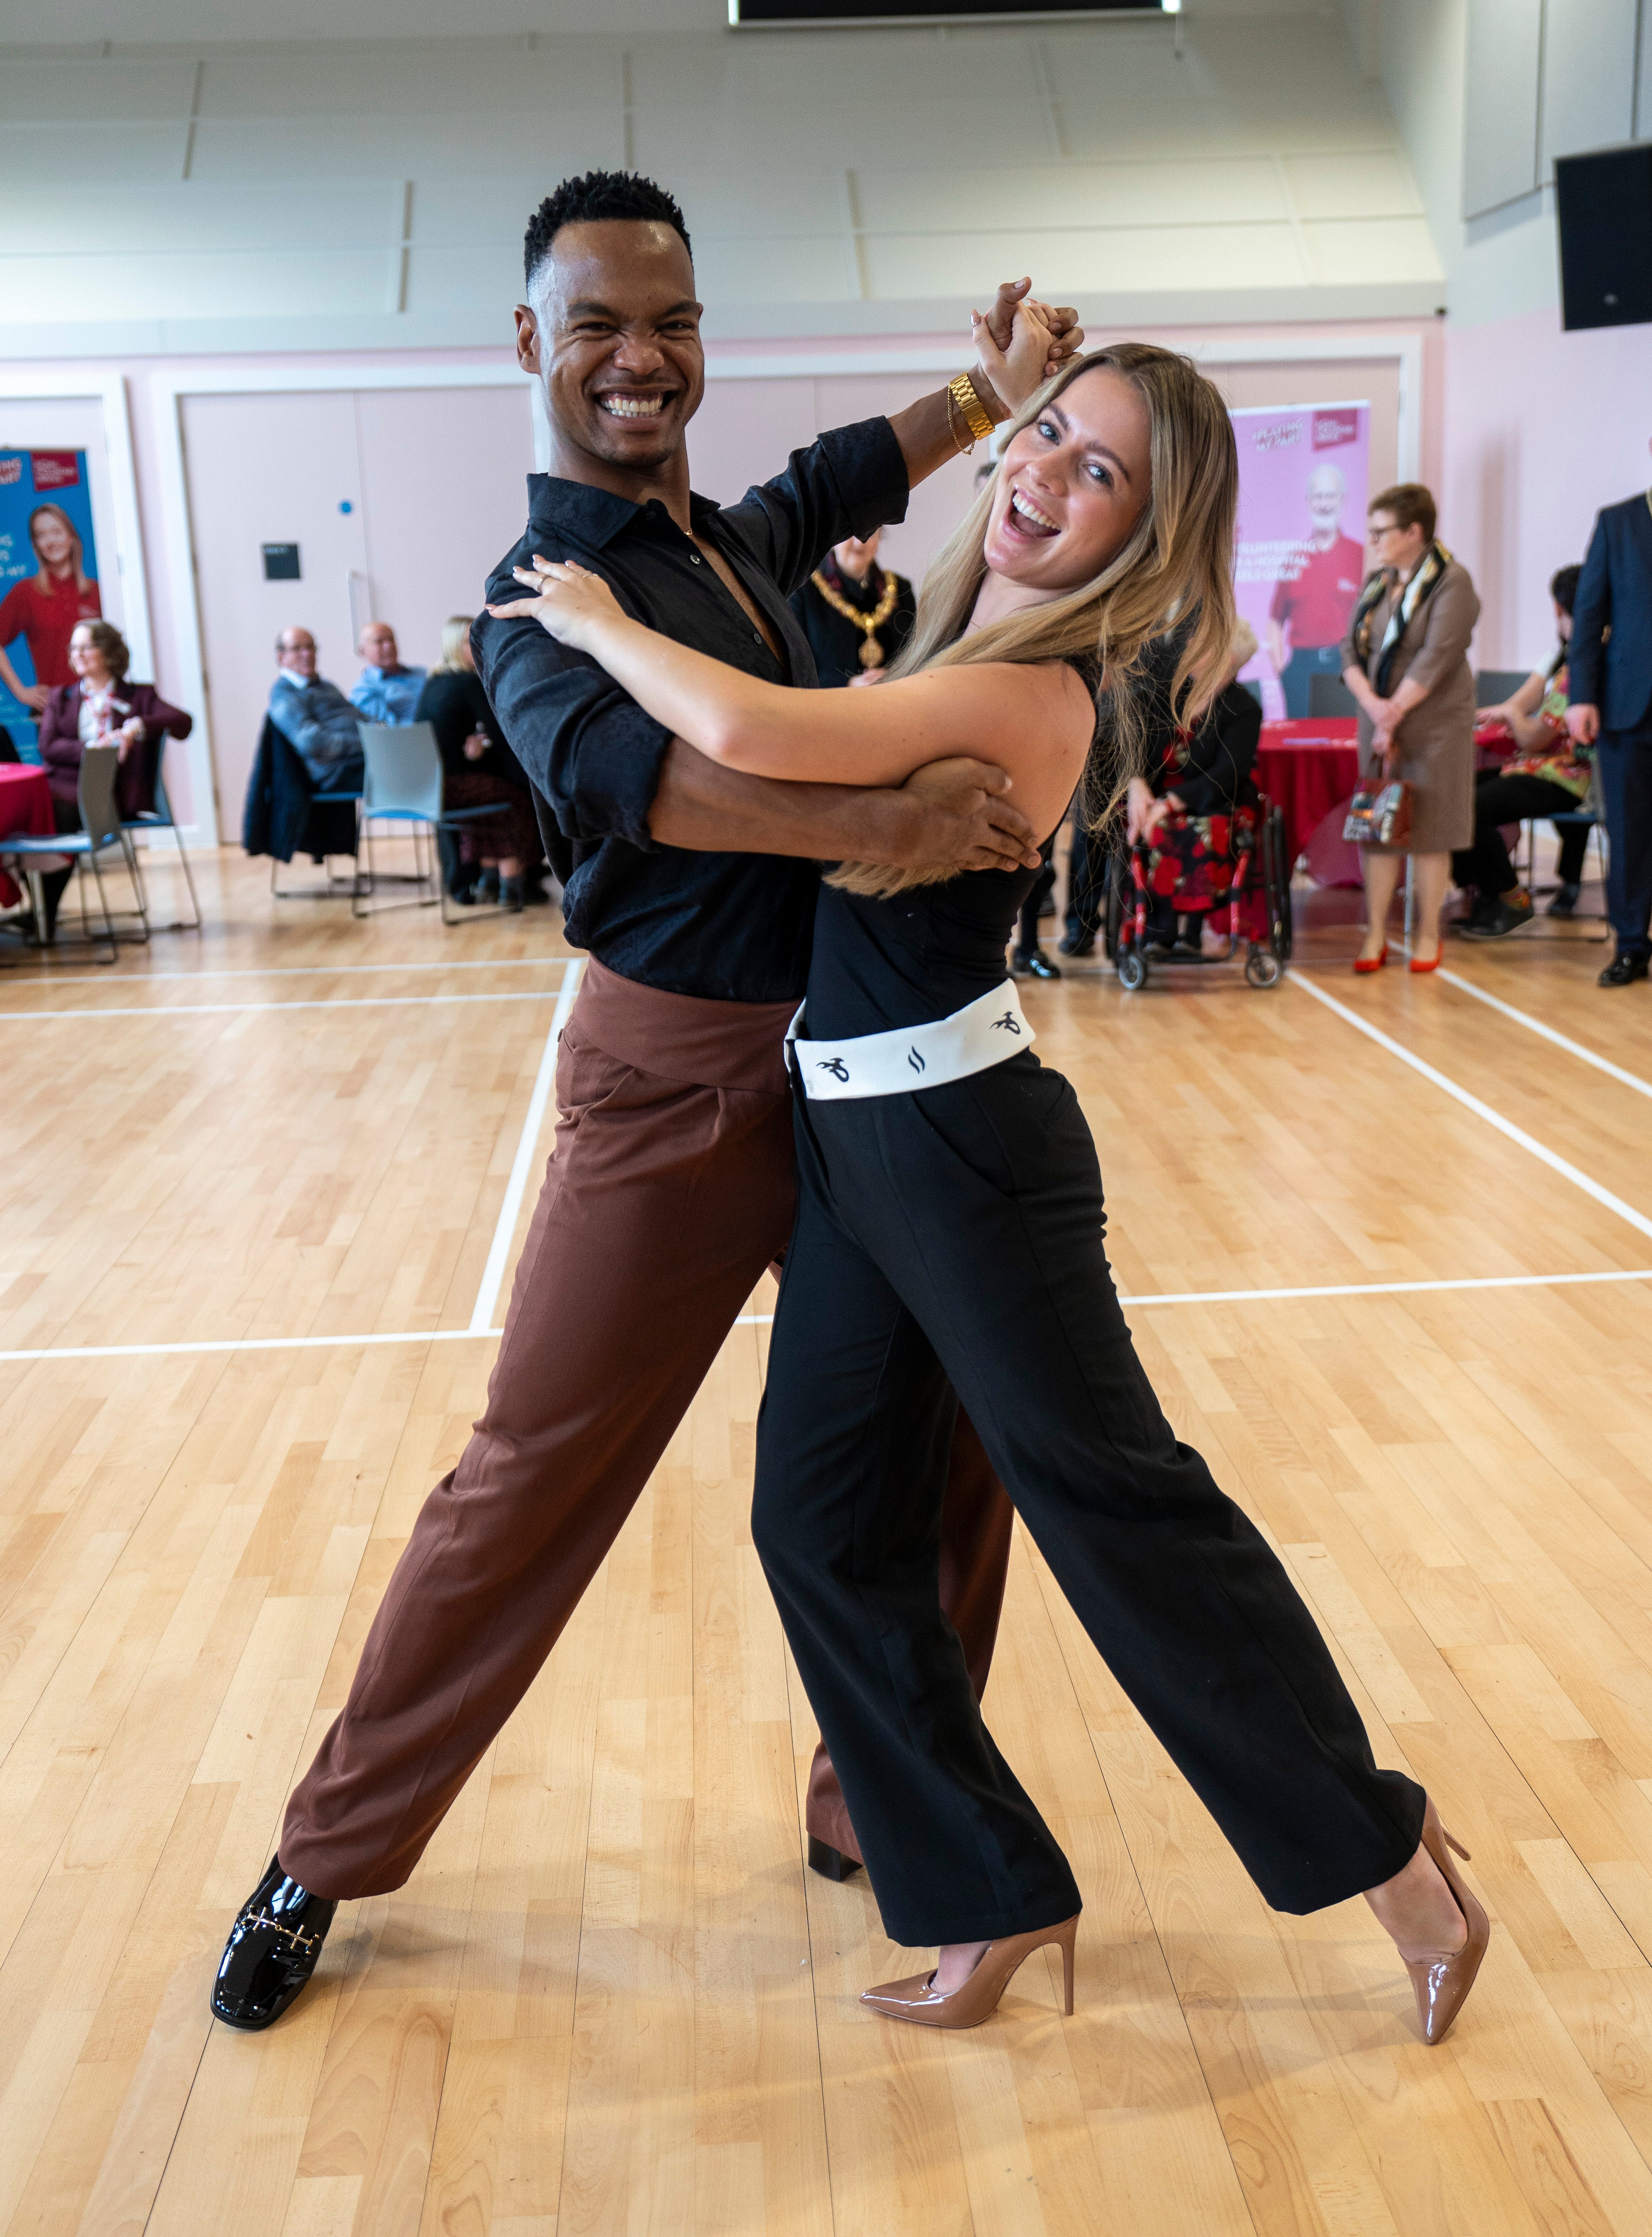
221,285
1349,250
1073,196
1502,76
1589,54
1378,184
1145,258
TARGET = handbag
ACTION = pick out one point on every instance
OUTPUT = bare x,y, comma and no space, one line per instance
1379,813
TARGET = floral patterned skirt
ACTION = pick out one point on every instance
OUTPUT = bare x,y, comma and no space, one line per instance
1193,860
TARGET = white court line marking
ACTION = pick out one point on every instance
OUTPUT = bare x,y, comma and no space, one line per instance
303,971
239,1009
765,1320
1506,1127
487,1297
1536,1026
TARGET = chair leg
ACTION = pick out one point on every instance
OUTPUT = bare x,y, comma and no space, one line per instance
102,903
128,847
188,879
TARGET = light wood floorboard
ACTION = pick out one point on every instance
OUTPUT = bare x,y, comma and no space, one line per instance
611,2000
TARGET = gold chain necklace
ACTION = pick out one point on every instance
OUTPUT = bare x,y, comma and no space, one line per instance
871,653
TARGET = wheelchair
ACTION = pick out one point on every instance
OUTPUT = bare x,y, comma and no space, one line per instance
1238,862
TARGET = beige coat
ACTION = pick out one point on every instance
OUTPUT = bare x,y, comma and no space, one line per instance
1436,741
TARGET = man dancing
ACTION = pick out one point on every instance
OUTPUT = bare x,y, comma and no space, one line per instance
671,1185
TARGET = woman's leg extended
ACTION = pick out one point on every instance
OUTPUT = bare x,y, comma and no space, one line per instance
851,1459
980,1203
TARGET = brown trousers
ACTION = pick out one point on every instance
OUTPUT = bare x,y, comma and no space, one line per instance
670,1189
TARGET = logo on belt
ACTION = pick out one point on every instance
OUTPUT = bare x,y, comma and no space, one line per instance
1009,1023
835,1066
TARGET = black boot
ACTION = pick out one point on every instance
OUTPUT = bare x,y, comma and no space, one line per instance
511,895
53,886
272,1951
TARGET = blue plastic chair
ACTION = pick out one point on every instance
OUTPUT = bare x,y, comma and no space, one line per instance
101,833
403,784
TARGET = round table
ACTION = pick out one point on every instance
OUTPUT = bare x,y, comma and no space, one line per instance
25,812
1308,768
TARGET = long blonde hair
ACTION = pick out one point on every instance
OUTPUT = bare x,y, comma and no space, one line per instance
1172,572
455,632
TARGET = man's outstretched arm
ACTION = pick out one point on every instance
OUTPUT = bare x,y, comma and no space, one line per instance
952,813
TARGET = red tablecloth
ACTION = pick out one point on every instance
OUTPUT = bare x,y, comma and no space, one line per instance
1309,769
25,810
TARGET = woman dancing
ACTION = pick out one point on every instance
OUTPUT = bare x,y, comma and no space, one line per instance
949,1238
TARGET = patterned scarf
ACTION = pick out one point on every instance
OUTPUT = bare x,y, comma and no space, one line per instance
1421,586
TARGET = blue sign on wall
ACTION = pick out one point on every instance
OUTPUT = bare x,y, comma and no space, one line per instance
48,579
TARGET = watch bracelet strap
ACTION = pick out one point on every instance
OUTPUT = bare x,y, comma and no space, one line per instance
976,418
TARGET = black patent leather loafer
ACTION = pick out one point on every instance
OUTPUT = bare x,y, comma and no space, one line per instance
273,1949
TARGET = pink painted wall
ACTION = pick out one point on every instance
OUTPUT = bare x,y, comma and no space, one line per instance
1541,428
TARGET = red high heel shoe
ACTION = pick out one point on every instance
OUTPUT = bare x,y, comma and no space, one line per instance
1363,963
1432,964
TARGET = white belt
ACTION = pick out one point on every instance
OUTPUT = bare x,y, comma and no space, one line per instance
973,1038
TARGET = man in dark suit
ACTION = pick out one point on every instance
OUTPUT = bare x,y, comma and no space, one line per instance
1611,710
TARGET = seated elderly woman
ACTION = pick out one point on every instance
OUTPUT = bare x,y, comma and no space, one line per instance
1550,774
102,708
1195,811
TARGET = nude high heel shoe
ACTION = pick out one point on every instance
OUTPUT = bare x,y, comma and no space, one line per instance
1442,1984
978,1998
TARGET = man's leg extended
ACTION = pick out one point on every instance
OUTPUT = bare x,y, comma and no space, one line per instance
662,1204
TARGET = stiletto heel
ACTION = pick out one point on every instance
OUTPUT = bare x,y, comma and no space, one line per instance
976,1999
1442,1984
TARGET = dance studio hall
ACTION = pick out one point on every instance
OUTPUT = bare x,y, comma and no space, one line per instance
825,891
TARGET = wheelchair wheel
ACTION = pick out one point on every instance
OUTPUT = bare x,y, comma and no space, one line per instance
1262,966
1276,886
1132,970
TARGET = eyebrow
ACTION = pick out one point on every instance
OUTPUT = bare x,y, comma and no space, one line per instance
1055,412
587,305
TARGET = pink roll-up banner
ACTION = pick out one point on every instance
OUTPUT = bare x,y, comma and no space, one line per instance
1303,488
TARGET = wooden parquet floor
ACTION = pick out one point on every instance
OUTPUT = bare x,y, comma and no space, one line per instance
611,2000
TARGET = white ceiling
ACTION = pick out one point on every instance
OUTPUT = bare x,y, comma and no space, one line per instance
291,193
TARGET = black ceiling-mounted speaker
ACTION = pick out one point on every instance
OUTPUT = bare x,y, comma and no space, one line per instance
1603,208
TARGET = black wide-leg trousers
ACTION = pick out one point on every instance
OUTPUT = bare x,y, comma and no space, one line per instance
958,1233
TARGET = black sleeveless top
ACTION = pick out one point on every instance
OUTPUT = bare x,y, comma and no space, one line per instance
918,956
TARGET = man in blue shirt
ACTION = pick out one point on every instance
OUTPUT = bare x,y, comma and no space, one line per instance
384,691
314,716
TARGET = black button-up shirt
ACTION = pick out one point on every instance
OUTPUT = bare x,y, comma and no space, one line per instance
734,928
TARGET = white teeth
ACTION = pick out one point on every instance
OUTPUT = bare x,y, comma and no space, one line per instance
634,407
1025,507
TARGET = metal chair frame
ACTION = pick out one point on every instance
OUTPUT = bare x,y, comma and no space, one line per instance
403,785
160,818
100,831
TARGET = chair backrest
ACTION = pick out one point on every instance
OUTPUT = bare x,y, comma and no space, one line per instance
403,766
1493,685
1253,685
100,816
1328,696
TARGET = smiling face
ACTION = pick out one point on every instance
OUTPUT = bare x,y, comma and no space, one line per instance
1071,487
86,658
615,334
53,540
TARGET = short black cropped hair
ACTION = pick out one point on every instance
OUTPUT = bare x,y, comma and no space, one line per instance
592,195
1562,588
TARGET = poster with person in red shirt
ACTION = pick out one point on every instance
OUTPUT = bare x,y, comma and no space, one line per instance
48,579
1303,473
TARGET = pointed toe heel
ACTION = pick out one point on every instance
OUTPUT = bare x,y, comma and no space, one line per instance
1442,1984
1365,963
978,1998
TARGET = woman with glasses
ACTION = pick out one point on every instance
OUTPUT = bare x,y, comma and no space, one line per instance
1405,661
